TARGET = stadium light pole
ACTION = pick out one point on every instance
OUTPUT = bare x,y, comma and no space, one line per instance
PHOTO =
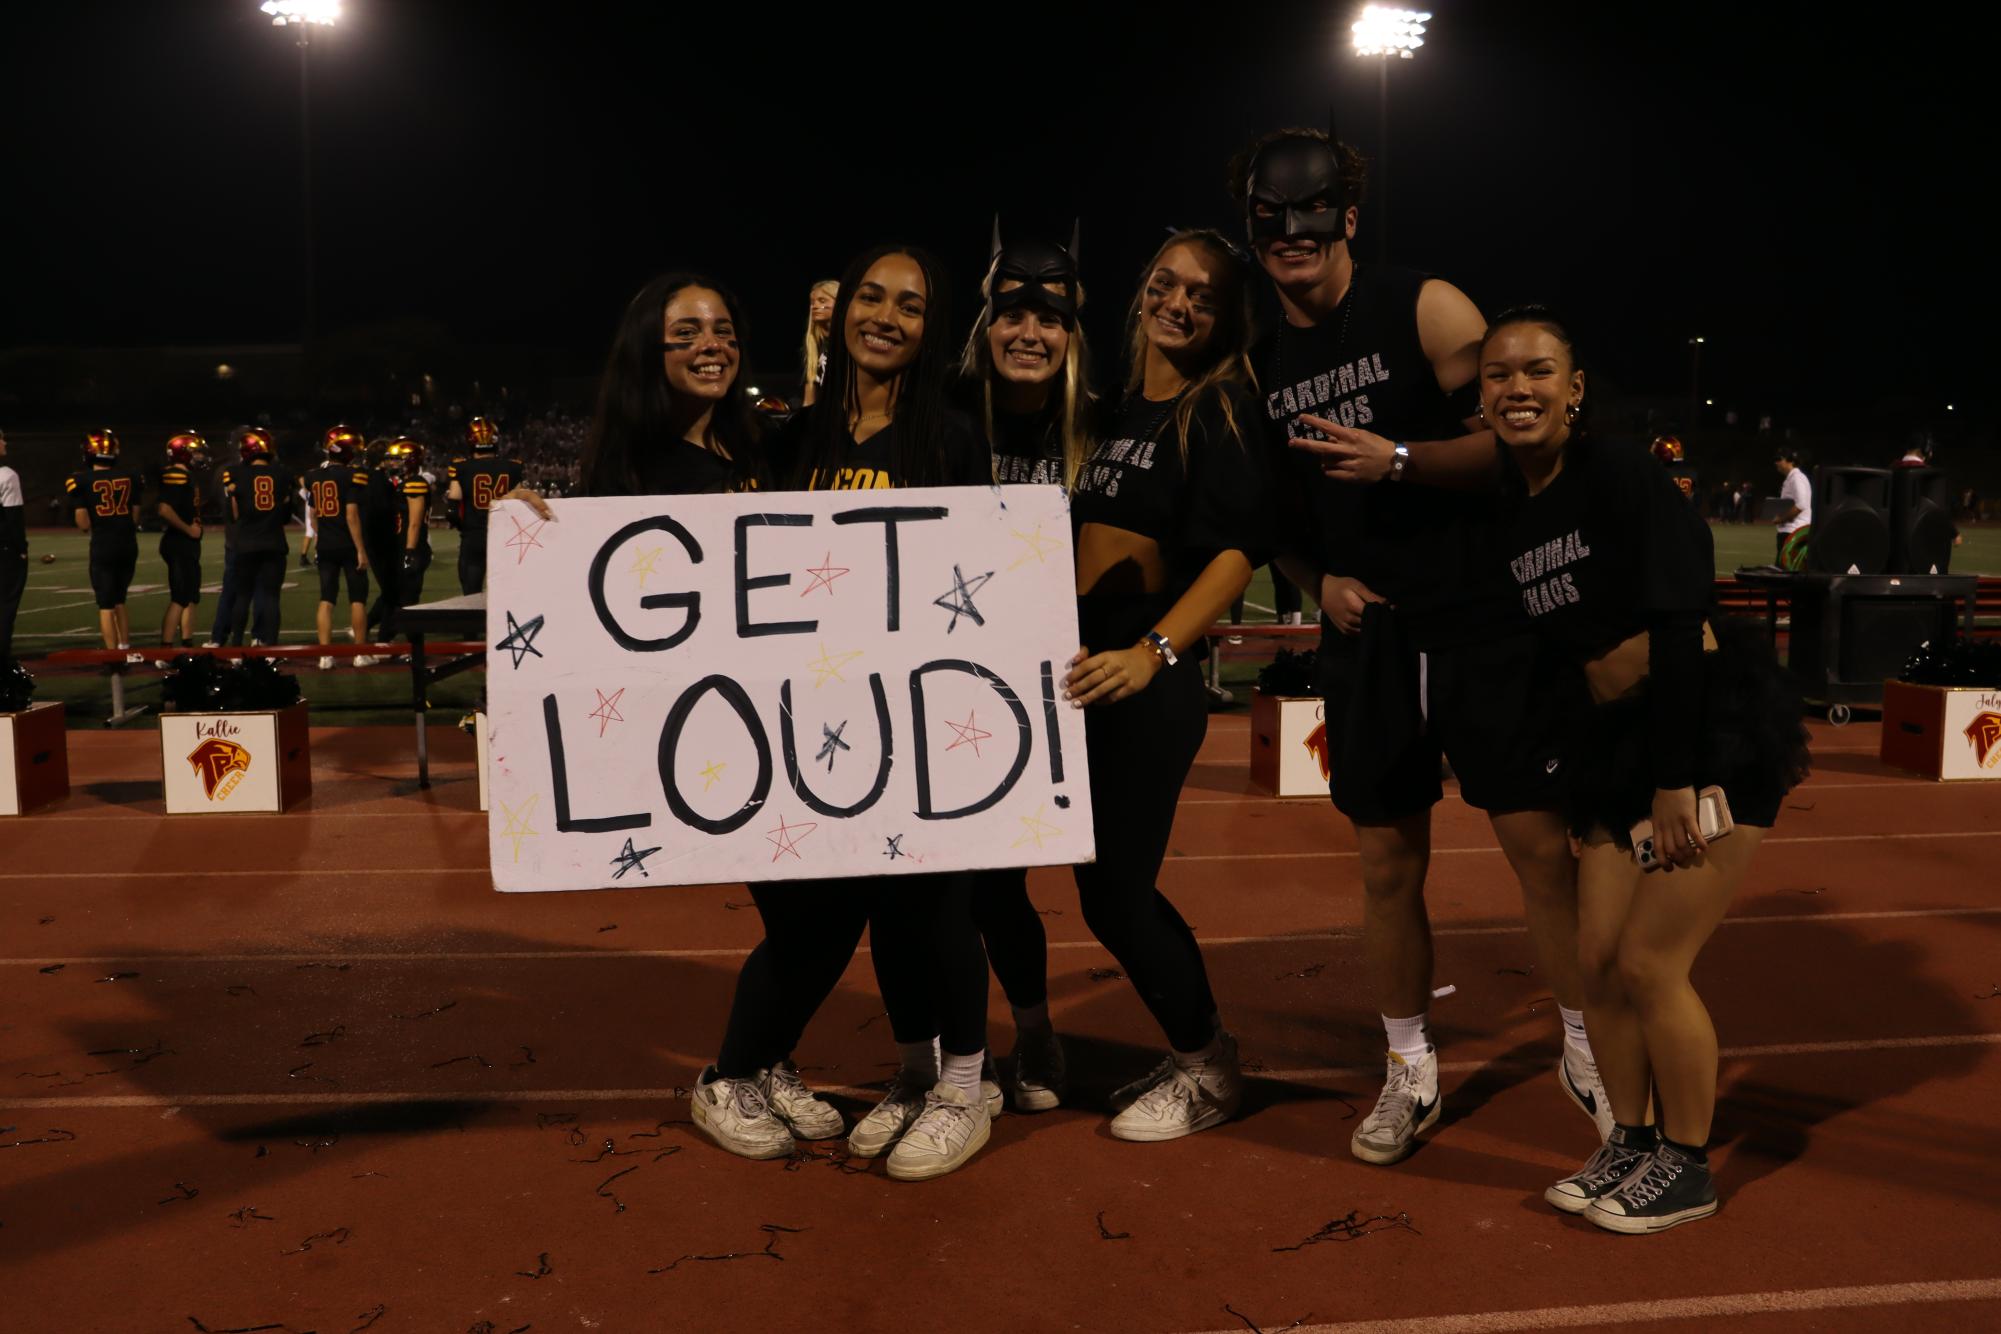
302,16
1695,344
1386,34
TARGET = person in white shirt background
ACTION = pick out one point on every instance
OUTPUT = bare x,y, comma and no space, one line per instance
13,550
1795,517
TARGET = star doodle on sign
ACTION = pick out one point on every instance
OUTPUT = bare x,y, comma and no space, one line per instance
520,640
524,539
824,575
959,599
713,773
607,710
1039,547
786,838
827,667
832,743
643,563
969,734
517,823
895,848
1038,829
630,858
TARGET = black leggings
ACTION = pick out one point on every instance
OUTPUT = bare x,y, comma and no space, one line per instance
13,583
1141,750
1017,946
927,957
260,576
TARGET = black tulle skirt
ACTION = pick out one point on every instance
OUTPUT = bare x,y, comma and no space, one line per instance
1753,740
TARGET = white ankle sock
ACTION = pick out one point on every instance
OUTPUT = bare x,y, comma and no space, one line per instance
1034,1019
920,1058
1189,1060
1409,1038
1573,1029
963,1073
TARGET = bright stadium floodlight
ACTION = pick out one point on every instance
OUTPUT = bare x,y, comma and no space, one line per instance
1382,31
323,13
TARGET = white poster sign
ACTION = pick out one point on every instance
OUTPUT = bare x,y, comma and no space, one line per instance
710,689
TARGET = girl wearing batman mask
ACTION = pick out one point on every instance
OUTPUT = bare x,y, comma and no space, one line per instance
1168,510
1024,364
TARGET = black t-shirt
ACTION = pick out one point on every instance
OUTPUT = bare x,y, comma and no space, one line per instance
1027,448
1430,551
177,493
1215,496
110,495
872,464
683,468
330,488
1606,548
265,496
482,479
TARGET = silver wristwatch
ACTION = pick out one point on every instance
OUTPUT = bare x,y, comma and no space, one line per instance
1158,643
1399,460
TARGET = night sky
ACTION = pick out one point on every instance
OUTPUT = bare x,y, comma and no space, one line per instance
1794,188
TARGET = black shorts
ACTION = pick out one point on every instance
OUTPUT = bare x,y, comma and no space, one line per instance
333,566
1497,709
111,574
183,560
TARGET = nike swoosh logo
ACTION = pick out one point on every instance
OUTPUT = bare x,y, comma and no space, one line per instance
1550,767
1584,1096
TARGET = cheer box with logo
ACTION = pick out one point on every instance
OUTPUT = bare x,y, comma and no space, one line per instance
1951,733
258,760
34,758
1289,744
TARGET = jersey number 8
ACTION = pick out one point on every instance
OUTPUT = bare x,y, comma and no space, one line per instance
264,491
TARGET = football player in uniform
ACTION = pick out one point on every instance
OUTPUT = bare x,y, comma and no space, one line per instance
179,508
262,498
101,499
404,465
471,487
333,497
380,504
232,603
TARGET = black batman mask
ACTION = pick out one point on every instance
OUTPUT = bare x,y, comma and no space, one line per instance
1037,266
1288,178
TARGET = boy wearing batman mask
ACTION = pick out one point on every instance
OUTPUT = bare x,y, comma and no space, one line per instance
1371,378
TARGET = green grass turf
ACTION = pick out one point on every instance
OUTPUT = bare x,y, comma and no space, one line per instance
57,612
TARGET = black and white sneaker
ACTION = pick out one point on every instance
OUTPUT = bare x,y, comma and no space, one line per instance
1668,1190
1607,1170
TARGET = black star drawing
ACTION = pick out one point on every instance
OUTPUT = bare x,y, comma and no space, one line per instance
520,640
832,743
895,848
631,859
959,599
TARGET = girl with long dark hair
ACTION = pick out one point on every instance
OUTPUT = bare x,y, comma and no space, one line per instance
1168,512
1616,568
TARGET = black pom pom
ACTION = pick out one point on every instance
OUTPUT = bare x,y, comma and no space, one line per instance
1959,661
193,684
17,688
1289,673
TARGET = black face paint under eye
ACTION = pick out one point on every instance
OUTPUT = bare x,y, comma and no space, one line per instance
1287,178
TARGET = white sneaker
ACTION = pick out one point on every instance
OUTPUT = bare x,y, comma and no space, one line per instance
734,1114
1407,1108
795,1104
875,1133
950,1129
365,660
1190,1099
326,664
1039,1073
1578,1073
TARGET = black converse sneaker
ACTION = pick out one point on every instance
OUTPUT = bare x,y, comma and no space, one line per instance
1670,1189
1621,1155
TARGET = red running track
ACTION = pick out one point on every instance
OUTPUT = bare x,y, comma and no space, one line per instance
309,1073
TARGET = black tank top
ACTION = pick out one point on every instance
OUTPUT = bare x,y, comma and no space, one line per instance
1434,553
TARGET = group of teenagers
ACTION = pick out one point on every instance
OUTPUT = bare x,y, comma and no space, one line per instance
366,507
1498,587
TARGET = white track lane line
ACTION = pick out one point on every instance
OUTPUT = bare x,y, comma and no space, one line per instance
1673,1308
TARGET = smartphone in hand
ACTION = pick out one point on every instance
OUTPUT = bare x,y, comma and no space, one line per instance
1712,819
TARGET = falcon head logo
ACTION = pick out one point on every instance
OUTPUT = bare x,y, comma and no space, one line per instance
221,766
1316,745
1984,735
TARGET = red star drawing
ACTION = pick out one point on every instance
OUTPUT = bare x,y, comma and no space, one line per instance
786,837
969,734
824,575
607,710
524,537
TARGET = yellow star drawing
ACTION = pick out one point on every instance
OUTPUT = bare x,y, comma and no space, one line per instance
643,563
1038,828
713,774
827,667
1039,546
517,823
